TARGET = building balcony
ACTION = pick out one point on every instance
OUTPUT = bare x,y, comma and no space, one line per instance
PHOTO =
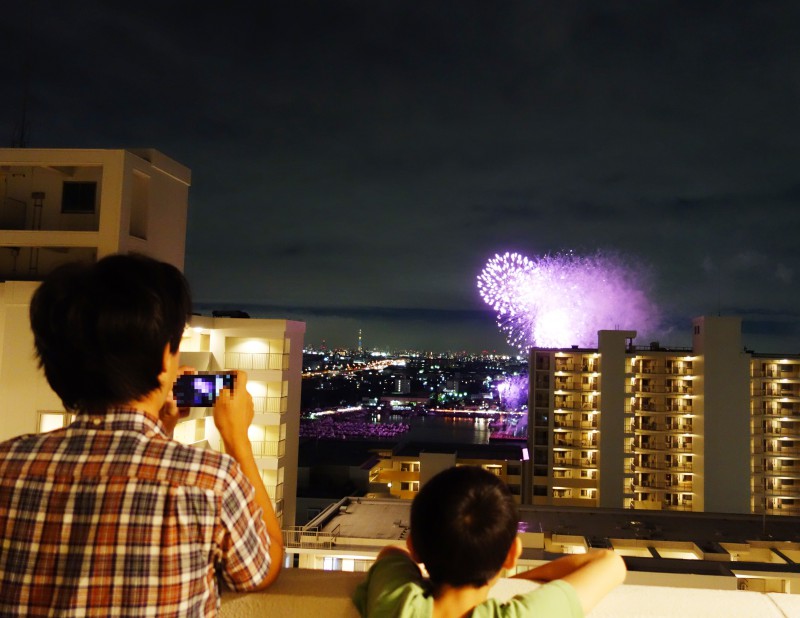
567,385
787,411
773,470
257,361
269,448
670,506
679,390
679,405
771,393
270,405
684,467
640,425
574,462
660,447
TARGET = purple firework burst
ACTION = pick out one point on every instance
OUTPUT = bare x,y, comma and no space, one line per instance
564,299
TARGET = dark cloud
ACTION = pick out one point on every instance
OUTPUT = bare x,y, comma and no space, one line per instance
375,154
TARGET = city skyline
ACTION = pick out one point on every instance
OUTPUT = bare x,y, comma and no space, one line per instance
355,166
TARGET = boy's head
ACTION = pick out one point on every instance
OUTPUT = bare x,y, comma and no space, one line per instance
463,525
101,329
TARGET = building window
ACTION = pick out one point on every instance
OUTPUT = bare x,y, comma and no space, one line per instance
78,197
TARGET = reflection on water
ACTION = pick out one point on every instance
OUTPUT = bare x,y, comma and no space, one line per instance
441,429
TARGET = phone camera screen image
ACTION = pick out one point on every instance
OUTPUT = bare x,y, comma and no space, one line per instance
200,390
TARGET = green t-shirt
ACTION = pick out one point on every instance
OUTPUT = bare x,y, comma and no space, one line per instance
394,588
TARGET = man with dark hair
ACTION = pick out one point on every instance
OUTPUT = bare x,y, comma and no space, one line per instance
109,516
464,531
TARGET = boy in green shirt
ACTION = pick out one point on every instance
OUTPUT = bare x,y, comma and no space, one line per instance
464,531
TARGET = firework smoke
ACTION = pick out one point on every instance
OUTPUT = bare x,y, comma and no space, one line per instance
559,300
513,391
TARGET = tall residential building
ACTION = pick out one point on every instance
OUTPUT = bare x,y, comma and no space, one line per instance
775,418
709,428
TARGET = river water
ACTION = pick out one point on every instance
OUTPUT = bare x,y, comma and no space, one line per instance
440,429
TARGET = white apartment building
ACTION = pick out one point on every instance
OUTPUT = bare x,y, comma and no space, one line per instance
271,353
710,428
60,205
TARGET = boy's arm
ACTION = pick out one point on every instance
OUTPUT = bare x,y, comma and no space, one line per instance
592,575
390,549
233,414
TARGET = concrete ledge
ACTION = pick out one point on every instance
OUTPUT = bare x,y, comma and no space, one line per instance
305,592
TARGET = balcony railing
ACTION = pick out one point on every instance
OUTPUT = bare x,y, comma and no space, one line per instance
268,405
574,462
298,536
258,361
275,491
269,448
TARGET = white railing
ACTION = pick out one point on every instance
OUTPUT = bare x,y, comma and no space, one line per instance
258,361
266,405
269,448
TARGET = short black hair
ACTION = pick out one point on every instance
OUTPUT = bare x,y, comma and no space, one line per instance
463,522
100,329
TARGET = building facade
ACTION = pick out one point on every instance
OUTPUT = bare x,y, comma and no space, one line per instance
66,205
400,473
708,428
270,352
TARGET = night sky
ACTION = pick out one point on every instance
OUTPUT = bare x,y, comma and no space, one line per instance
356,163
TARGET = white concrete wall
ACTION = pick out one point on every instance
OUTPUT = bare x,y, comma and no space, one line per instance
302,592
23,388
725,421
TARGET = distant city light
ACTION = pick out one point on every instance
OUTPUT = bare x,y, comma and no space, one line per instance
559,300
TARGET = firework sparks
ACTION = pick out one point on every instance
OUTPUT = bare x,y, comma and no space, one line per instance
559,300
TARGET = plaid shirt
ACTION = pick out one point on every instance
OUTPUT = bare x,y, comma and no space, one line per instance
109,517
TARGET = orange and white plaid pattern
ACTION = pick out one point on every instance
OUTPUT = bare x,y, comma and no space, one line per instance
109,517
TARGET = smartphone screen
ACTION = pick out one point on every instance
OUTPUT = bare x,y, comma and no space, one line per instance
200,390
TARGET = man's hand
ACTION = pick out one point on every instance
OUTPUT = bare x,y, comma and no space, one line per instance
233,413
170,413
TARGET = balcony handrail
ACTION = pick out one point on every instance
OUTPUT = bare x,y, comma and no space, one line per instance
257,360
278,405
300,536
269,448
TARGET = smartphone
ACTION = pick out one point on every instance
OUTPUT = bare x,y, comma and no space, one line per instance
200,390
